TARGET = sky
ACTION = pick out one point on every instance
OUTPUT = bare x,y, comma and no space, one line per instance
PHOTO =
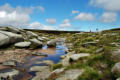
71,15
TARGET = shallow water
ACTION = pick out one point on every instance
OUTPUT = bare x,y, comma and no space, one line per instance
34,60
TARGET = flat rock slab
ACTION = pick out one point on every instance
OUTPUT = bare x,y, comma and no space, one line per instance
23,44
76,57
72,74
9,73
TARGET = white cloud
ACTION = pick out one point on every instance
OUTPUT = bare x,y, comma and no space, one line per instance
66,23
41,8
51,21
109,17
37,25
111,5
75,11
85,17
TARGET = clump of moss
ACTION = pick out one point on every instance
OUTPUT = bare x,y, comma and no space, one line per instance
56,66
90,73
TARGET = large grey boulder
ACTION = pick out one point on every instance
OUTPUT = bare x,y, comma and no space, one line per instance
31,34
13,38
13,29
4,40
23,44
36,43
116,68
72,74
53,42
8,74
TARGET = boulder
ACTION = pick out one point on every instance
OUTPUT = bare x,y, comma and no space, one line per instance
13,29
57,71
13,38
23,44
72,74
31,34
53,42
116,68
76,57
8,74
4,40
36,43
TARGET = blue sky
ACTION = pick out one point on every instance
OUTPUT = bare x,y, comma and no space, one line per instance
61,14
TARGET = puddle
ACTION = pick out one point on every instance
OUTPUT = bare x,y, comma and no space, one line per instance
37,60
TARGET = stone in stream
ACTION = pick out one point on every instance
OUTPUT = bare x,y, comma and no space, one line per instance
72,74
9,63
39,54
116,68
57,71
35,43
42,72
52,43
8,74
23,44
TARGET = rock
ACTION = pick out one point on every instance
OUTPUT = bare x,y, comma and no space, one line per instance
31,34
89,43
116,55
43,72
4,40
76,57
8,74
118,79
62,57
36,43
49,62
23,44
53,42
65,61
13,38
39,54
72,74
116,68
13,29
99,50
39,68
40,38
43,75
9,63
57,71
